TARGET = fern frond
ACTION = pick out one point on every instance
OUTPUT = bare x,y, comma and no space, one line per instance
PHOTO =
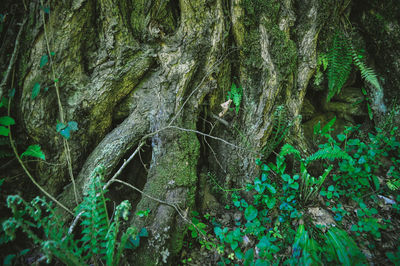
366,73
339,65
330,153
289,149
393,184
281,127
95,217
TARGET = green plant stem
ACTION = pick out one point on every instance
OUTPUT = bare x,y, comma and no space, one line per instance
60,108
27,171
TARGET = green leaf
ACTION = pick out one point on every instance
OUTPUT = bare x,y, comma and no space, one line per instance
376,182
34,151
60,126
44,60
6,121
143,232
35,91
8,259
328,126
248,257
234,245
341,137
73,125
271,189
265,168
4,131
250,213
295,185
271,202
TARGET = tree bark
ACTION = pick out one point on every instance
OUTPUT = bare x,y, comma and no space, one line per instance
128,69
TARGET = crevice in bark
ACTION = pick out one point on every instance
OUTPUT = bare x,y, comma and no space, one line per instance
135,173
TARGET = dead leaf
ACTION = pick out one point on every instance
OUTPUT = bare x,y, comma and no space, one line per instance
225,107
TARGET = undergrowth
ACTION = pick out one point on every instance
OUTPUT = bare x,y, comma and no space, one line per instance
277,226
100,241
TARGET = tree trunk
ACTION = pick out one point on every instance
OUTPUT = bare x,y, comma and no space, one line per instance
156,72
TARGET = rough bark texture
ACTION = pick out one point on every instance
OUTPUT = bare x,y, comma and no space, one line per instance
129,68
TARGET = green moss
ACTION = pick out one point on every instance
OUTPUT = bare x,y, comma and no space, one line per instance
283,53
138,17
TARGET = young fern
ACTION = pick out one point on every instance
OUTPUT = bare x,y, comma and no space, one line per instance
340,58
94,218
367,73
281,126
339,65
99,243
330,153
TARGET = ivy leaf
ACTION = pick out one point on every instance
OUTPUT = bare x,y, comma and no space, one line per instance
250,213
65,132
44,60
6,121
4,131
143,232
34,151
73,125
60,126
35,91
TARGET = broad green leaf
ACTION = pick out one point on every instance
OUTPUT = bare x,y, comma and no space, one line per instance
4,131
35,91
250,213
44,60
6,121
34,151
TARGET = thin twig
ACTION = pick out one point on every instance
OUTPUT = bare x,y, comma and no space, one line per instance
153,198
217,63
74,223
212,137
126,162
